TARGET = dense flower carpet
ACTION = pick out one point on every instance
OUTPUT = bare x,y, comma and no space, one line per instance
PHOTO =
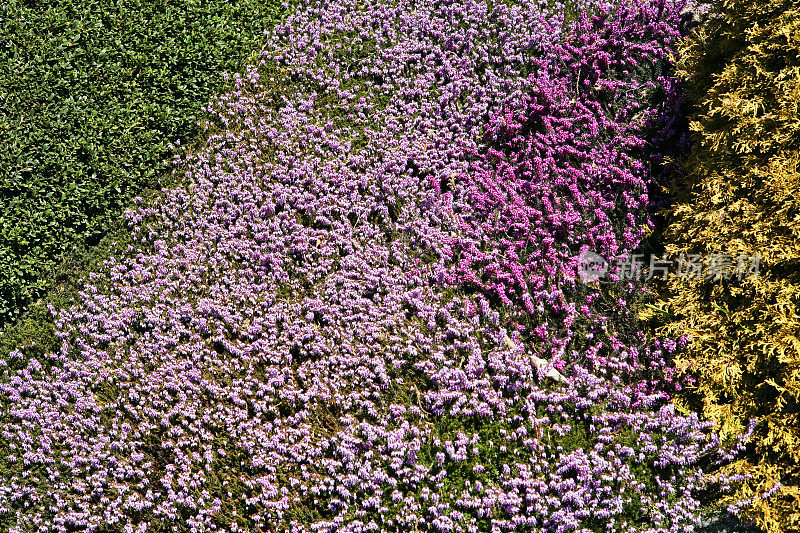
362,308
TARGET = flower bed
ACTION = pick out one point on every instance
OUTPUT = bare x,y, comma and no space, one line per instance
290,344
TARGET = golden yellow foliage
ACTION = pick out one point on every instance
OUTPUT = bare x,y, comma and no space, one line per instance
739,194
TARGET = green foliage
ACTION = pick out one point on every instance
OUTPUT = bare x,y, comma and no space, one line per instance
740,195
92,92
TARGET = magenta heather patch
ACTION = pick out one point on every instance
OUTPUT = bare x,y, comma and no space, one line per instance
289,347
563,171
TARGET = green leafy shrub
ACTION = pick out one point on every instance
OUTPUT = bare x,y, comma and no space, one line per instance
740,195
92,92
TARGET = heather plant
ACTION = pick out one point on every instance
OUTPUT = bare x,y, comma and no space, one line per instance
282,346
563,171
738,196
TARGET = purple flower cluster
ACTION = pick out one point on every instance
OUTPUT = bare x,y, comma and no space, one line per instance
563,171
291,346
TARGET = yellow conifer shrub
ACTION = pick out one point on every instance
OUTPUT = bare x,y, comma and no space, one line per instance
739,194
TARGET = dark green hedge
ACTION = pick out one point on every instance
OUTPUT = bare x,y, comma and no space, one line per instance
91,94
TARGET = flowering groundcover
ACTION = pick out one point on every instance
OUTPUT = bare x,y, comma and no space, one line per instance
333,325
